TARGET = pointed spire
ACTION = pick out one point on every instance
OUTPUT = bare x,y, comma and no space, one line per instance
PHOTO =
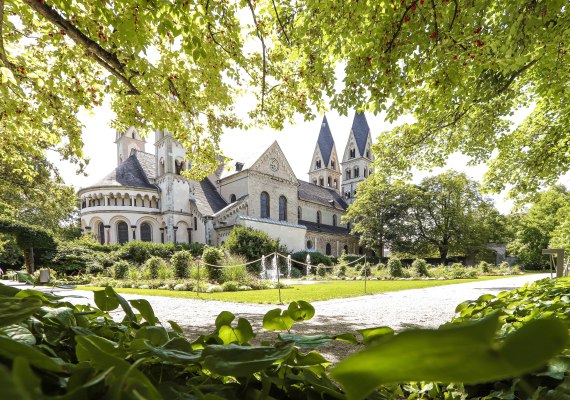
360,130
325,141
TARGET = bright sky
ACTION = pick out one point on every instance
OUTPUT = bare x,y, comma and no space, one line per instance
297,142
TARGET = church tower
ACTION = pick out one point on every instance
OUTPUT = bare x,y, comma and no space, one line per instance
127,142
357,157
325,168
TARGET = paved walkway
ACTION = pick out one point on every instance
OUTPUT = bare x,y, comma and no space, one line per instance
429,307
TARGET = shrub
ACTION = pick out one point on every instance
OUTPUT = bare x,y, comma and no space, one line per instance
505,266
250,243
181,263
420,267
212,256
230,286
198,272
138,252
153,265
214,289
316,258
120,269
321,270
395,267
484,266
236,273
165,271
195,248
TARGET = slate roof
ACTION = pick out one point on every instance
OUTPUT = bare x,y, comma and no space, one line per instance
360,130
270,221
314,227
208,200
325,141
147,162
321,195
130,173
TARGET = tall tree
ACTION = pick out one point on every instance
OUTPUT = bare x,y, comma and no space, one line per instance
377,214
536,227
460,67
445,213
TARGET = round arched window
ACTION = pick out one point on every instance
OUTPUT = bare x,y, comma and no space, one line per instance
309,244
328,249
146,232
122,232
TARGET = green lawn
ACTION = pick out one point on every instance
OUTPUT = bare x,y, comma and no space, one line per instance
308,292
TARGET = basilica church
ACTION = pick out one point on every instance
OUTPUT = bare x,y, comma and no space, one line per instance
147,198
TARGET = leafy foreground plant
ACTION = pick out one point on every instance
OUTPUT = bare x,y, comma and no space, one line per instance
50,348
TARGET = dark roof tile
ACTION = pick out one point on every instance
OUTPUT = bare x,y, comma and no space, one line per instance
208,200
325,141
130,173
314,227
321,195
360,129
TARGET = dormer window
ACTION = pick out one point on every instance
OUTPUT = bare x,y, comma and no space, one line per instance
318,164
332,164
352,153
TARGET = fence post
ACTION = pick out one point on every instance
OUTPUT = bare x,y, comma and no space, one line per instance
278,281
198,279
365,273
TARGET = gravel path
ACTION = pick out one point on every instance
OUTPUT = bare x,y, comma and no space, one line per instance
428,308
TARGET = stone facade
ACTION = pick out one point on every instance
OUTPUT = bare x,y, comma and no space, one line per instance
147,198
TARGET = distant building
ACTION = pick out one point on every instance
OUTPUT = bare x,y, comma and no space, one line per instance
146,198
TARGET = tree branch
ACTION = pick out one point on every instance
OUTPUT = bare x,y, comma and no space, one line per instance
3,56
516,74
106,59
264,62
395,36
435,21
280,23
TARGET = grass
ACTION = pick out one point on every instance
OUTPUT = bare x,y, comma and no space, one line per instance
308,292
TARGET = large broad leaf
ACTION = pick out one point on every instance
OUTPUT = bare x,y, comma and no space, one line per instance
308,342
14,310
240,334
277,320
19,334
466,353
234,360
104,302
8,291
124,377
124,303
301,311
11,388
63,316
11,349
144,307
157,335
376,334
174,356
224,318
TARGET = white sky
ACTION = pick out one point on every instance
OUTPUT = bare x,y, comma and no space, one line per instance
297,142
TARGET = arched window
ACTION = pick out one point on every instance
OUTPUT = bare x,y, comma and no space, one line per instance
347,174
314,181
352,153
345,249
360,250
122,232
146,232
299,213
328,249
309,244
101,232
348,227
232,198
318,164
334,219
356,172
335,184
195,223
178,166
318,217
282,208
322,181
365,172
264,205
332,164
161,166
367,153
329,181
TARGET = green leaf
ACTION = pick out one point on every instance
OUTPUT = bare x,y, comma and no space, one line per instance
157,335
144,307
234,360
11,349
346,337
8,291
19,334
10,388
465,353
174,356
301,311
14,310
124,304
62,315
240,334
104,302
308,342
175,327
373,334
276,320
224,318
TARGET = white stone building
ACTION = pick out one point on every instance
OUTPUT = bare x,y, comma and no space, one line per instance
146,198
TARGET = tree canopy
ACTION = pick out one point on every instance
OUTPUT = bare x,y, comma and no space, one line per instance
461,68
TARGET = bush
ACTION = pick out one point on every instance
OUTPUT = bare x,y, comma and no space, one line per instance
181,263
195,248
250,243
484,266
237,273
420,267
153,265
505,266
138,252
230,286
212,256
120,269
198,272
316,258
395,267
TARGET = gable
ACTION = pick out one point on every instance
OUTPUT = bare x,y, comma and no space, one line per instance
273,162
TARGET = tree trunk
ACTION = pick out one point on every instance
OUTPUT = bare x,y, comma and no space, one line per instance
29,260
443,250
